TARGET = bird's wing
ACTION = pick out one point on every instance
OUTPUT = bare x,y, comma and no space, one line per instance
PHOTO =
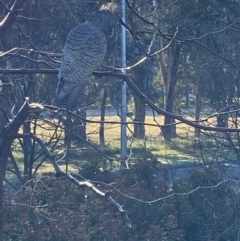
84,51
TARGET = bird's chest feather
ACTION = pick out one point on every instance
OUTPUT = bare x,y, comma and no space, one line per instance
89,45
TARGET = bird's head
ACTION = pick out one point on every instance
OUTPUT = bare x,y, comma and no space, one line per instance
107,18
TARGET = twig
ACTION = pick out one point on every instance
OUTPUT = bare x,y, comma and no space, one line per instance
88,184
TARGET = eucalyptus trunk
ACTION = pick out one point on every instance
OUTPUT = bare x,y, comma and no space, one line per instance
4,149
139,128
169,74
103,108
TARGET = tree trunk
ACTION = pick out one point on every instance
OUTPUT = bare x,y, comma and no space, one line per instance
27,143
4,152
170,80
197,108
139,129
26,150
103,107
186,93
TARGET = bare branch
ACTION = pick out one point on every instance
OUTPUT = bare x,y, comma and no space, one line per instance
31,60
71,177
9,18
30,50
161,111
135,89
28,71
168,196
153,54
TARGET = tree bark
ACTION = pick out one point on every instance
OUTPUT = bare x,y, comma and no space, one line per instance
169,130
103,108
3,151
8,134
29,91
186,93
197,108
26,149
139,129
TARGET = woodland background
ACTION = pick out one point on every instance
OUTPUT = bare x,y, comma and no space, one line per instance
60,171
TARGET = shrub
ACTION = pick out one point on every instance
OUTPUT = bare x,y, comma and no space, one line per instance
55,209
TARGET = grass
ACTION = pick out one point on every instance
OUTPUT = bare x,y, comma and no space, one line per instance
183,149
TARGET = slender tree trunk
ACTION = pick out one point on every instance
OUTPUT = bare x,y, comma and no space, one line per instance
103,108
169,130
7,137
26,149
27,143
4,144
186,96
139,129
4,152
197,108
169,63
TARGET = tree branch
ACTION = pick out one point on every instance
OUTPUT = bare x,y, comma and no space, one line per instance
87,184
161,111
135,89
28,71
9,18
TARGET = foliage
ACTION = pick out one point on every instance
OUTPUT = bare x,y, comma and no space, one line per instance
208,213
54,209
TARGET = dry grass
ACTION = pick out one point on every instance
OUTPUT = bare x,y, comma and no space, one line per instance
152,145
113,131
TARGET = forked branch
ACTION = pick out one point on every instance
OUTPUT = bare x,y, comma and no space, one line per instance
11,132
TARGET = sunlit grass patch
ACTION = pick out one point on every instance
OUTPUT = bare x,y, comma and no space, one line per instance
183,149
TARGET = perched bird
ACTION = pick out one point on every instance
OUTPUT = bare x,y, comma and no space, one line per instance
84,52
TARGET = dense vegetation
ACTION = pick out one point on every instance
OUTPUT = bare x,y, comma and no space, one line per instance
56,210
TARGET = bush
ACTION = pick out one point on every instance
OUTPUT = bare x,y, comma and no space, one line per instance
55,209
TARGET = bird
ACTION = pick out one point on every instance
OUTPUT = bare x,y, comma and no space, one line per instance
84,51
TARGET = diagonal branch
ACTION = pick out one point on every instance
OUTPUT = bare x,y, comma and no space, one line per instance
71,177
161,111
134,87
9,18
